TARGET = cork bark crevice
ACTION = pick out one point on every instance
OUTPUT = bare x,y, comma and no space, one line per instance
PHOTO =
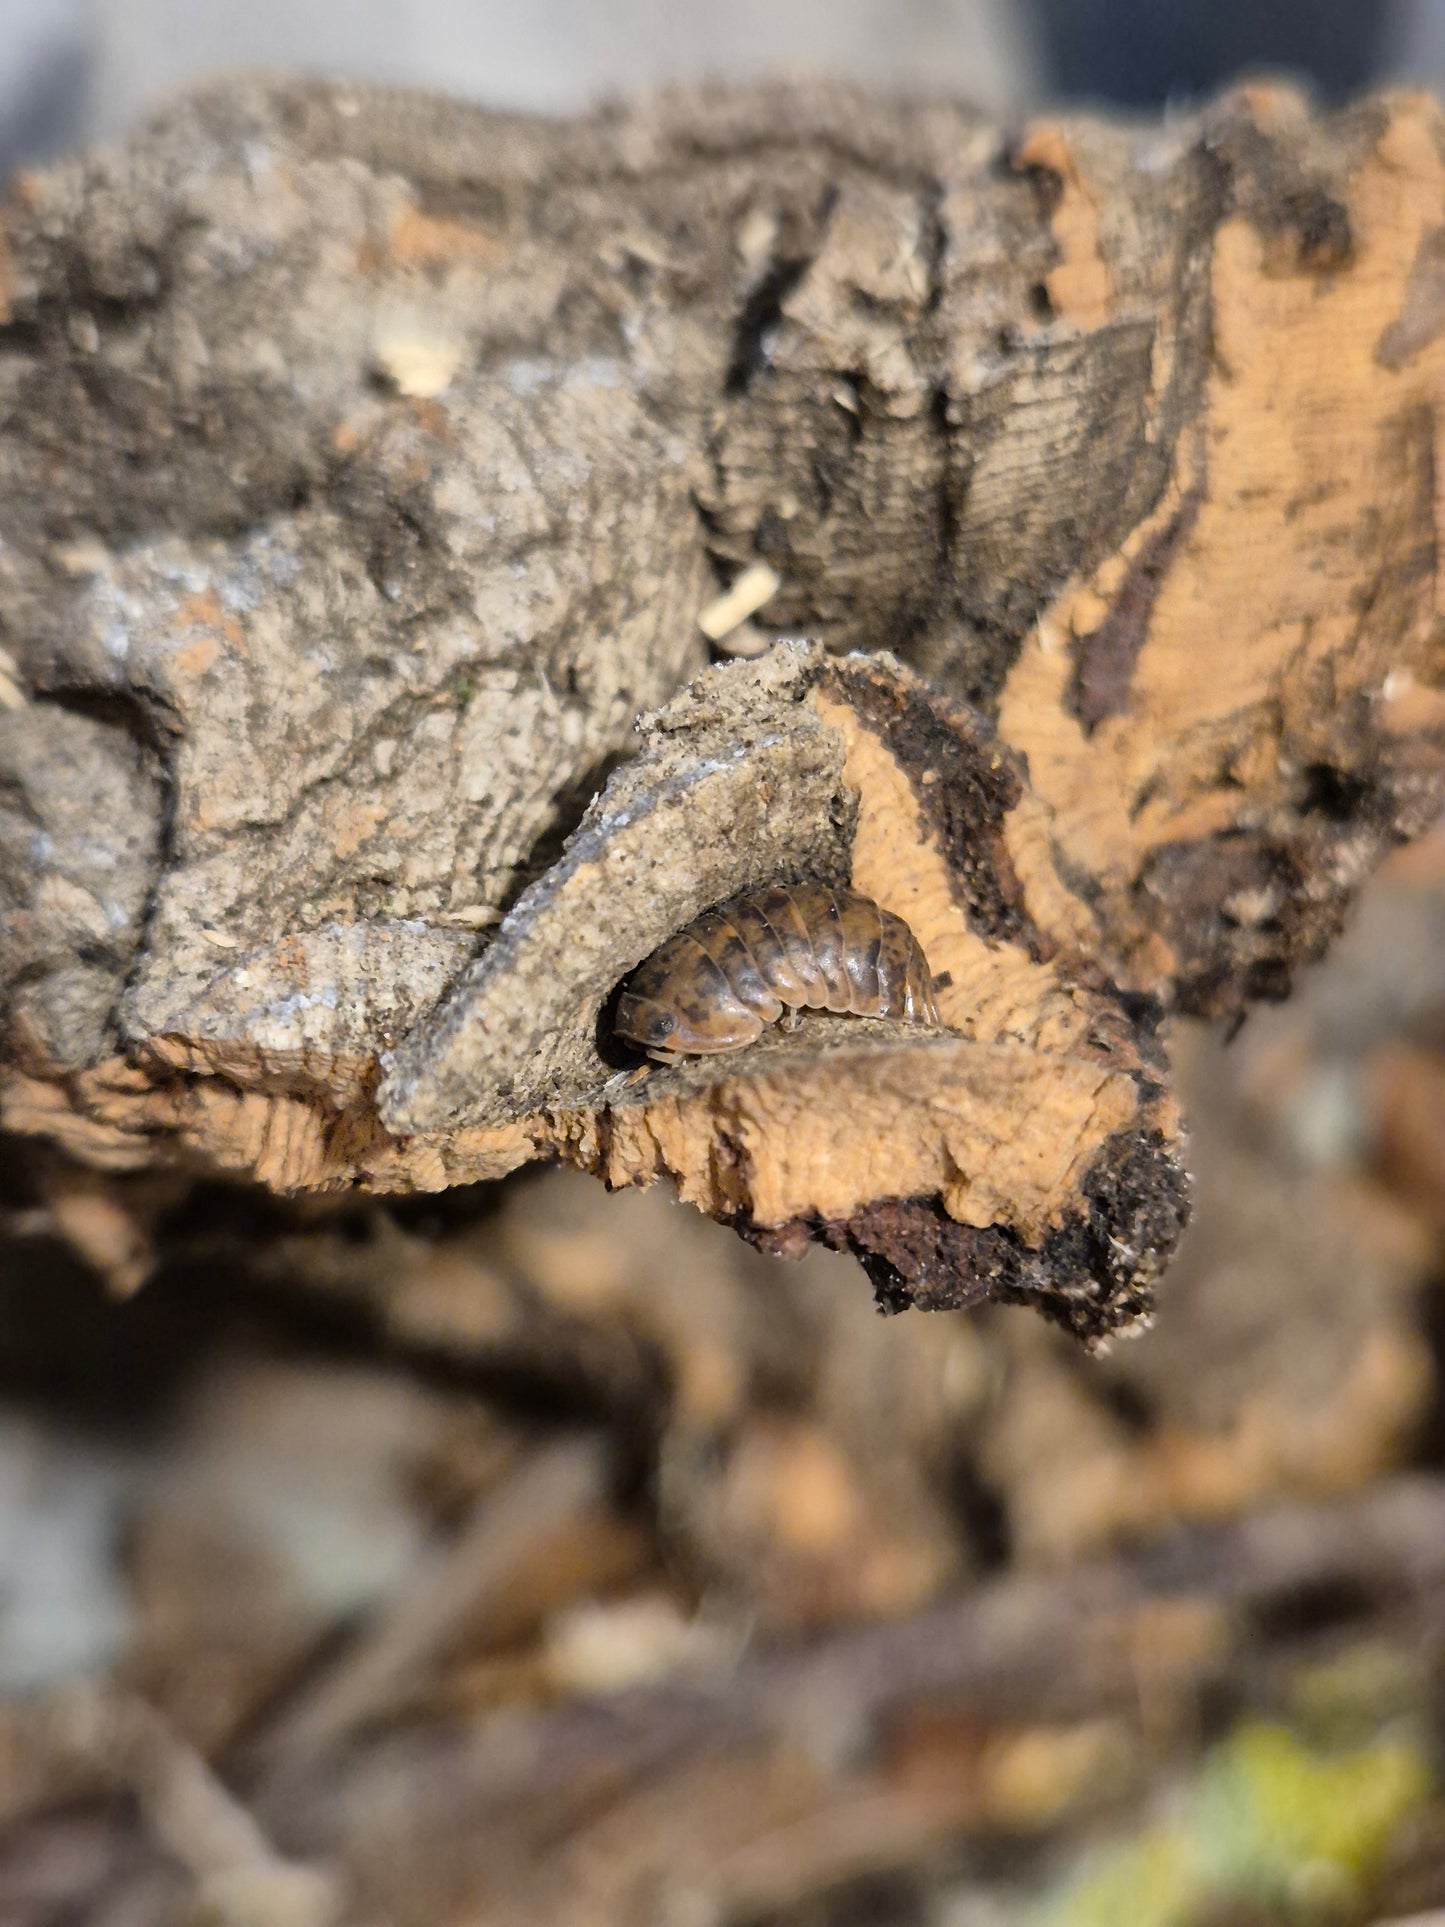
366,462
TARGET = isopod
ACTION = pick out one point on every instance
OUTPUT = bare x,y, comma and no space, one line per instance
734,969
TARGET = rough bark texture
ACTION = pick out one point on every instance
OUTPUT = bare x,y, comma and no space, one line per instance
365,463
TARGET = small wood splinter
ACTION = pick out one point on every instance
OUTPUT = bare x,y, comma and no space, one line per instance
764,956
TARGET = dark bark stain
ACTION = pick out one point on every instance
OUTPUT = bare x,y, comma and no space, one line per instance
761,314
1295,206
1422,314
964,782
1104,659
1094,1274
1321,228
1237,912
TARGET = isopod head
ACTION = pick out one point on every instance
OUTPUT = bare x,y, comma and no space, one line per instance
674,1029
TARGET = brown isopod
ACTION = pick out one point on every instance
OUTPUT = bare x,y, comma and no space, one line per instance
714,985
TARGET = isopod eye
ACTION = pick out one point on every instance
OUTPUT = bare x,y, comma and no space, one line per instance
663,1024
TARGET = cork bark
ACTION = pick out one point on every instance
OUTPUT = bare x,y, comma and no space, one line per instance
366,464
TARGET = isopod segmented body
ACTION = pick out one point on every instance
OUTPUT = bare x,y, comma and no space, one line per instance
734,969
